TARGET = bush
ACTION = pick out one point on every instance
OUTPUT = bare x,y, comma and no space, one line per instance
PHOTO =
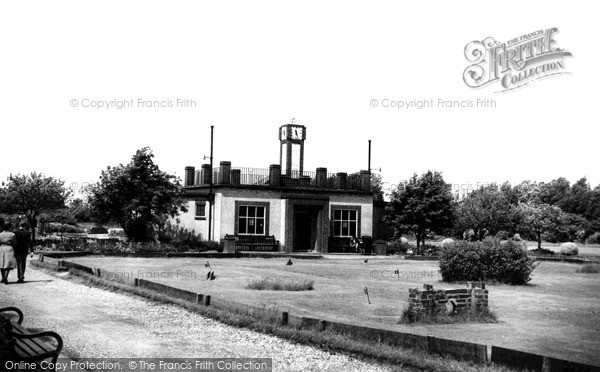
569,249
483,315
426,250
486,261
278,285
446,242
56,227
116,246
502,235
98,230
594,238
541,252
398,246
183,238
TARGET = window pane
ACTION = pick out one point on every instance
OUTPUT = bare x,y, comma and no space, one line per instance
353,229
260,211
344,229
260,226
201,209
337,214
345,214
242,226
337,228
251,226
243,210
353,215
251,211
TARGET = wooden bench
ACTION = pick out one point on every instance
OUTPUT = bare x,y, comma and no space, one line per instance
338,244
255,243
31,347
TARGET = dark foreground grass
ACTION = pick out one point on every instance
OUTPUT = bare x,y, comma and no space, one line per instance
589,269
277,285
380,352
468,316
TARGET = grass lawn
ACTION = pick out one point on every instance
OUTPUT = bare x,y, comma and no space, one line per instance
556,314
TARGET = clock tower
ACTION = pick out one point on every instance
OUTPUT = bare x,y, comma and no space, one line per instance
291,155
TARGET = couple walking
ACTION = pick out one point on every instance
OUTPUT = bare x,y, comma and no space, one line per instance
14,247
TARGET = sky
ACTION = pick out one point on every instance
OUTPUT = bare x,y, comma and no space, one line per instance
336,67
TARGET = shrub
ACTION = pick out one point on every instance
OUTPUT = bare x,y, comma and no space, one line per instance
183,238
56,227
541,252
116,246
502,235
589,269
569,249
98,230
594,238
279,285
446,242
486,261
398,246
426,250
483,315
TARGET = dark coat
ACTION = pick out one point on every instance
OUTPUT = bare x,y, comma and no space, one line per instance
23,242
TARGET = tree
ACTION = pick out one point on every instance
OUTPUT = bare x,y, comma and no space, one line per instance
80,210
524,192
32,195
486,210
539,218
422,205
138,196
555,192
579,198
377,187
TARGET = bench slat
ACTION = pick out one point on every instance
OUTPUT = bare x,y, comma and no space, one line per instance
36,346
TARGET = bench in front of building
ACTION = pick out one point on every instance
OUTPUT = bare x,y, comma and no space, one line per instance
363,245
250,243
32,347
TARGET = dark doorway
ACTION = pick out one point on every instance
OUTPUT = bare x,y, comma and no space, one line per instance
306,227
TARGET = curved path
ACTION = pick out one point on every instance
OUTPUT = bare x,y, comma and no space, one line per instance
96,323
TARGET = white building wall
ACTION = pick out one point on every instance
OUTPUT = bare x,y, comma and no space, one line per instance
276,210
188,220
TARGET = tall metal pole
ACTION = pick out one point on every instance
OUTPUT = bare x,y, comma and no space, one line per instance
369,168
210,190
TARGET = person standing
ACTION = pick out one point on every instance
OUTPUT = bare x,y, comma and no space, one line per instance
8,261
22,249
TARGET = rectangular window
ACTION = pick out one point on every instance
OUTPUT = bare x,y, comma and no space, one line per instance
251,220
200,209
345,222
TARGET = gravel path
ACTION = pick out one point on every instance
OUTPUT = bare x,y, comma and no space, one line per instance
96,323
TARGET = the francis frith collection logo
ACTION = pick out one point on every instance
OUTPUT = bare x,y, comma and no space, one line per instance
516,62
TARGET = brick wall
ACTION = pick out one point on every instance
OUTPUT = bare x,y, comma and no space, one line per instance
428,300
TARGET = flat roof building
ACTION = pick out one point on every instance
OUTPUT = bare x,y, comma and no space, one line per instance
286,207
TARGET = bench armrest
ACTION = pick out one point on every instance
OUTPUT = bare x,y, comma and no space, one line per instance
14,310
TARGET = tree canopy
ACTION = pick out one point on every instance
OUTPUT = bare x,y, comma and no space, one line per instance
138,196
32,195
487,211
422,205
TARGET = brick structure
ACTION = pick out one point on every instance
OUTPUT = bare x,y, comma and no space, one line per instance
225,173
428,300
190,174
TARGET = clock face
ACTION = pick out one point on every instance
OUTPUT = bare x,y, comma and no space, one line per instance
291,132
